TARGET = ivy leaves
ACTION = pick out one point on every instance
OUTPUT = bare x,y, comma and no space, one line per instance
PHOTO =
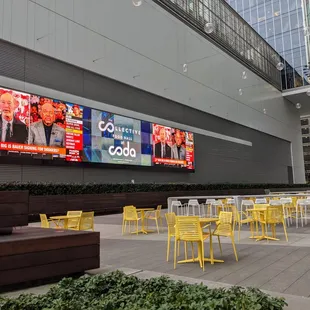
38,189
115,291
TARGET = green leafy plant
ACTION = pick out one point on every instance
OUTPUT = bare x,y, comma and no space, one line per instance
39,189
115,291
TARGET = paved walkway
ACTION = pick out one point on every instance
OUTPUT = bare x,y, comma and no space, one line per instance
281,268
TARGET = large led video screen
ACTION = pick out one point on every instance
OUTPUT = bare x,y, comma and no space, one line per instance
44,128
114,139
172,147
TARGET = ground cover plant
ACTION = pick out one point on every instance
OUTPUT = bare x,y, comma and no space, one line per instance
115,291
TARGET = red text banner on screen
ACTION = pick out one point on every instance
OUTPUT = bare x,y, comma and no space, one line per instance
170,161
25,148
74,138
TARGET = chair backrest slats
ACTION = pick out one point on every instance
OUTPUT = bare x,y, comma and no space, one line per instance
130,213
87,221
44,221
170,219
188,228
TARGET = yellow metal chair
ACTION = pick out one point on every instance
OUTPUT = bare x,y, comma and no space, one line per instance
74,223
130,214
87,221
45,223
170,219
225,228
274,216
188,229
240,222
155,216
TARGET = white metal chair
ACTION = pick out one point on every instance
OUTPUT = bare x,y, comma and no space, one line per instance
174,204
230,202
301,208
206,208
217,205
287,202
181,209
261,201
248,204
194,205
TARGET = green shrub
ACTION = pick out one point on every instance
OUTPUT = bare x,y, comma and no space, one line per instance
38,189
116,291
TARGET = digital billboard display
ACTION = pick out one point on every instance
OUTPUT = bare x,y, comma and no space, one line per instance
41,127
114,139
172,147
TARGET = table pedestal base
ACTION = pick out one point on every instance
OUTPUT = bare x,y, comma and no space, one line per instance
196,259
142,231
259,238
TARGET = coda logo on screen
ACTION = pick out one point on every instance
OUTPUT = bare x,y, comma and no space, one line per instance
115,139
45,128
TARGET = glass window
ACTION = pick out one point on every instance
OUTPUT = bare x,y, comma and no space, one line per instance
288,57
284,7
300,18
295,39
254,16
247,17
303,56
261,13
285,23
292,5
232,3
239,5
270,29
271,41
269,11
246,4
252,3
255,27
287,42
279,44
262,30
276,8
294,21
277,26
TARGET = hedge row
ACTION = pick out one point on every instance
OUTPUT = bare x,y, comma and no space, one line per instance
38,189
116,291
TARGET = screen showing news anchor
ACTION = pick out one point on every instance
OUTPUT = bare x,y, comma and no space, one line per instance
173,147
14,107
47,129
114,139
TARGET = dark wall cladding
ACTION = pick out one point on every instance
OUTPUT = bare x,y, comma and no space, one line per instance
216,160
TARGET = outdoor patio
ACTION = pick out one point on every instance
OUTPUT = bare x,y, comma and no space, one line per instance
281,268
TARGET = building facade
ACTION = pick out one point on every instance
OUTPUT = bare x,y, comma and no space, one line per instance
129,60
305,130
282,23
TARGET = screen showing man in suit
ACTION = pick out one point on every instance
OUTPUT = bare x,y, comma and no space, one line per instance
45,131
11,127
178,150
173,147
162,149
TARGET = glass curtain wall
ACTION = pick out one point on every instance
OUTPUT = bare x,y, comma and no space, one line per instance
283,25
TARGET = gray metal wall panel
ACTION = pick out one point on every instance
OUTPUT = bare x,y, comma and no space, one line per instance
52,174
12,61
51,73
216,160
10,173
